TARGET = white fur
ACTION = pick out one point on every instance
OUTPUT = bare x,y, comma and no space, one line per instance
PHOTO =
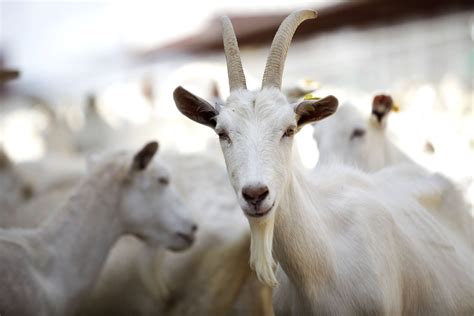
347,242
15,190
211,278
192,282
370,152
51,269
374,151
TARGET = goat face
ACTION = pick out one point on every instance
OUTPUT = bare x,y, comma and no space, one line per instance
343,137
256,128
149,206
353,137
256,132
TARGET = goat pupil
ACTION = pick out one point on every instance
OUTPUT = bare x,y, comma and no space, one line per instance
223,136
289,132
358,132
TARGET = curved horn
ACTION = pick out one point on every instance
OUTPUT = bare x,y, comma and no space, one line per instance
281,42
232,56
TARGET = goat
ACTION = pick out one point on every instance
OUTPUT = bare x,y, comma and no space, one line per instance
195,282
50,270
346,242
353,139
186,283
15,190
94,124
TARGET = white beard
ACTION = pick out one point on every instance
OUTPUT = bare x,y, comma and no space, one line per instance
261,245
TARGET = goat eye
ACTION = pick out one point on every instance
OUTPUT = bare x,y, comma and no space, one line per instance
290,132
223,136
357,133
163,181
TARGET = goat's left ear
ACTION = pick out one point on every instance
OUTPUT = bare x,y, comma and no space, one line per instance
309,111
195,108
142,159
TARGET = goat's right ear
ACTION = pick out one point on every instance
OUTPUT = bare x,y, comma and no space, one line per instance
143,158
195,108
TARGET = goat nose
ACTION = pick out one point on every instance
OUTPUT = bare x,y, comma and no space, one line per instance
254,194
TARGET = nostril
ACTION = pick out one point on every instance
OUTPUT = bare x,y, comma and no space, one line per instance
246,196
255,193
263,195
194,228
186,237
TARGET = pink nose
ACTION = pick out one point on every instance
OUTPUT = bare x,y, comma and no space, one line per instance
255,194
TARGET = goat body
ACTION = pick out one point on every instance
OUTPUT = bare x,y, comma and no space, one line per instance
361,247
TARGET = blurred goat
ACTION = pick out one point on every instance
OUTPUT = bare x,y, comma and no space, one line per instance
349,137
14,190
208,279
50,270
193,282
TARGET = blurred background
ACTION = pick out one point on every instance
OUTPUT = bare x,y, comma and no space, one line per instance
84,76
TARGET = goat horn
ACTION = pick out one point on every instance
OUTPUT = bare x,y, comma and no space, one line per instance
232,56
281,42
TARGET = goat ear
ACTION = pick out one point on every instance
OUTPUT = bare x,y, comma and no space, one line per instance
382,104
142,159
194,107
4,160
309,111
27,191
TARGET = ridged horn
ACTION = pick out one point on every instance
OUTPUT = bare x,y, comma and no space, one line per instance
232,56
281,42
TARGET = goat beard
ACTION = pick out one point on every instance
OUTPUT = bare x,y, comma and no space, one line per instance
261,245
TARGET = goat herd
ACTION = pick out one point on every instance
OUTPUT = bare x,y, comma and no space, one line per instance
368,231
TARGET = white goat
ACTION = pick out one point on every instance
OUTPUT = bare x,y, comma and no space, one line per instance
347,243
196,281
350,137
15,190
51,269
94,124
208,279
53,171
354,139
